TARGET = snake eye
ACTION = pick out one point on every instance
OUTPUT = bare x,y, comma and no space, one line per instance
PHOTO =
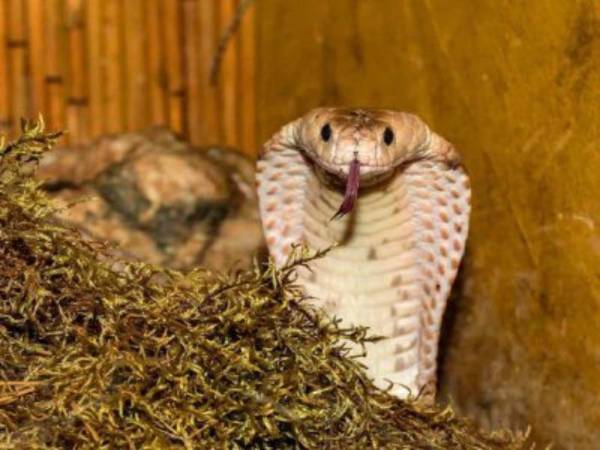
388,136
326,132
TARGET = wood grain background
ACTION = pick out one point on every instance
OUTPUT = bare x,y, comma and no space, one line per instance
516,87
106,66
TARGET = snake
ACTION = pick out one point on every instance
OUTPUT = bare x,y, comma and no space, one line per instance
392,200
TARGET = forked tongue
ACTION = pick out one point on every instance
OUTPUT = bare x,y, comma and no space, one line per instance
351,190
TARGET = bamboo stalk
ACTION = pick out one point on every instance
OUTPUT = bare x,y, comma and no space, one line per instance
5,106
229,76
193,73
17,61
99,66
248,142
209,32
135,65
37,55
54,81
173,41
76,86
112,67
155,57
94,62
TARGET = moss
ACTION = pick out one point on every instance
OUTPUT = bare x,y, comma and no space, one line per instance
99,353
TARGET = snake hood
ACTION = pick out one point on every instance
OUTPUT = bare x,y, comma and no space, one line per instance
399,250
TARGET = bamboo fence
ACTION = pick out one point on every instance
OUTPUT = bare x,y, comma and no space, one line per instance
93,67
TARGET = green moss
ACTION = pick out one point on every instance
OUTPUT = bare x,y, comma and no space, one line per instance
98,353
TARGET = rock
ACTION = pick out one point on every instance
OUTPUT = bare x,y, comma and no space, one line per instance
166,192
76,165
160,200
89,212
242,169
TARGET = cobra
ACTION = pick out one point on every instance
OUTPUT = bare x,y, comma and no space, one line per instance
400,230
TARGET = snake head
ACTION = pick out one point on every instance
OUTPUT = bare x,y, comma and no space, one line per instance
380,140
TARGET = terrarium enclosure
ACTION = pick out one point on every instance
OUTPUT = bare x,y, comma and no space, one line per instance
165,105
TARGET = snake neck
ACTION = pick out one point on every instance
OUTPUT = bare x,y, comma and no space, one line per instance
371,278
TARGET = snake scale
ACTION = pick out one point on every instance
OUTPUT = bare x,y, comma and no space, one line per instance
400,230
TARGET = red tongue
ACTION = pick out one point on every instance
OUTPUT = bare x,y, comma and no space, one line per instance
351,190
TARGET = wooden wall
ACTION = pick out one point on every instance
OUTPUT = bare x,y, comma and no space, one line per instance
104,66
516,87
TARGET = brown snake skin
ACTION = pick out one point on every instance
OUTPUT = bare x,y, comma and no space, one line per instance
398,250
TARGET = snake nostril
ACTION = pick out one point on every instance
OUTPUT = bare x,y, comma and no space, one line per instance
388,136
326,132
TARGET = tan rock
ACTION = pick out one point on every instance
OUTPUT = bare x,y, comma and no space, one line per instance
160,200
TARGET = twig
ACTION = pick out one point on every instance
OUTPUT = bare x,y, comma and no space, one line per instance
225,38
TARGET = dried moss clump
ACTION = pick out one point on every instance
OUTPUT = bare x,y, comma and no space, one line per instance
97,353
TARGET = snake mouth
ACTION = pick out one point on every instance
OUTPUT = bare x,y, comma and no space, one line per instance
350,177
338,174
351,193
